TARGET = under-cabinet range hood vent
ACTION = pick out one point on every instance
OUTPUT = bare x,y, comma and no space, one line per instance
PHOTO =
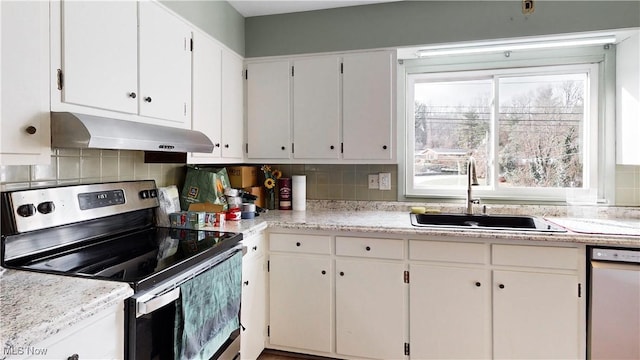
72,130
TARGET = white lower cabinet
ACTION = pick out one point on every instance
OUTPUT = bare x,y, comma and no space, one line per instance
370,308
253,309
535,316
450,311
300,302
426,298
99,337
538,305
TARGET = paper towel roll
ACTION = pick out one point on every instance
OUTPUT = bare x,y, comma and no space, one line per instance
299,192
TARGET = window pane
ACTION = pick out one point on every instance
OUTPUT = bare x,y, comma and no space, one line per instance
540,138
452,121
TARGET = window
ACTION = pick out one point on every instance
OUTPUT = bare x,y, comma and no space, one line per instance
531,126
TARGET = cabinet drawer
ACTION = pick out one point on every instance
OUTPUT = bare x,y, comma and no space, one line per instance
535,256
311,244
368,247
448,251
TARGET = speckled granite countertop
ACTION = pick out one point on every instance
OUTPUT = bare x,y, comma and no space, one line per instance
398,222
35,306
25,296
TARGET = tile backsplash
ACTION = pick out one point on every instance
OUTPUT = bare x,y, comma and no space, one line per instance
343,182
76,166
324,182
627,185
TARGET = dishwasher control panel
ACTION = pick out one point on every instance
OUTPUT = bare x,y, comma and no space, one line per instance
630,256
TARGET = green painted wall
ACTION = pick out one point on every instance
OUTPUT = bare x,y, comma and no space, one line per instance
407,23
217,18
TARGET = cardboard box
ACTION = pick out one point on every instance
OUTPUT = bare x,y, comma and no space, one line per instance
257,191
207,207
242,176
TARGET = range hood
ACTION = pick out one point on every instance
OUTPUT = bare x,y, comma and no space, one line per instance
73,130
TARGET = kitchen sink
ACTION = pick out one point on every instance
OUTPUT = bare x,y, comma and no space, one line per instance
488,222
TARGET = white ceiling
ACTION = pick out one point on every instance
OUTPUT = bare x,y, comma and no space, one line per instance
250,8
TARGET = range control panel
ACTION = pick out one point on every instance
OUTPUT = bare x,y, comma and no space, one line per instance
36,209
630,256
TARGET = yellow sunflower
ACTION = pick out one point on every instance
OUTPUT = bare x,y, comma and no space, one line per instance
269,183
277,174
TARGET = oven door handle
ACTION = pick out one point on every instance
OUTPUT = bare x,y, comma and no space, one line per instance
157,302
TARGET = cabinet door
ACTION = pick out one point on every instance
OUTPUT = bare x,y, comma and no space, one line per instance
628,101
24,118
232,106
300,302
367,112
316,108
370,309
253,310
535,316
207,92
99,337
165,65
447,305
268,130
99,54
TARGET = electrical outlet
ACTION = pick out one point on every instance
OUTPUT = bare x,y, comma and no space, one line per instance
528,7
385,181
374,183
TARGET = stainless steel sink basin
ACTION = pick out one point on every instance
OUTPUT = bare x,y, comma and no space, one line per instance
489,222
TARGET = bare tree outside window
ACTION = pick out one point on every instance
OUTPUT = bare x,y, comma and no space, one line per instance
540,121
538,126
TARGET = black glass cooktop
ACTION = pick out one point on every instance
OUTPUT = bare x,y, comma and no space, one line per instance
142,258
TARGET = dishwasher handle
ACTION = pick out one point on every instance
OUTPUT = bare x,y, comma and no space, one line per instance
151,305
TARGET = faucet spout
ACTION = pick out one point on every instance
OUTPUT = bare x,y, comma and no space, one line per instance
472,180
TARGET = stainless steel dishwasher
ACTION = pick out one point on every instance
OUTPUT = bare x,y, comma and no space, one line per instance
614,304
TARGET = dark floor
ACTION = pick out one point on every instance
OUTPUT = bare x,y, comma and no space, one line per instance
268,354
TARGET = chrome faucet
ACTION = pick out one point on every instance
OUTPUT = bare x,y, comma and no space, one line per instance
472,180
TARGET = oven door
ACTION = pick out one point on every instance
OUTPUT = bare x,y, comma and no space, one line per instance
156,318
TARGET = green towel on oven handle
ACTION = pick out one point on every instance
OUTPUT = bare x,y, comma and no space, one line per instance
208,310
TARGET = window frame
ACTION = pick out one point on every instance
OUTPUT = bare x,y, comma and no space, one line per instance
598,61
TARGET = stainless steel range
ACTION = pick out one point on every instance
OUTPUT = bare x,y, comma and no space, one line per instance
106,231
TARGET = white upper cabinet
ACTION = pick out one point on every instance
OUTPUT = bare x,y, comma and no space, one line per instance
24,118
129,57
232,106
268,114
367,110
165,64
628,100
316,108
207,94
100,54
217,100
341,108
